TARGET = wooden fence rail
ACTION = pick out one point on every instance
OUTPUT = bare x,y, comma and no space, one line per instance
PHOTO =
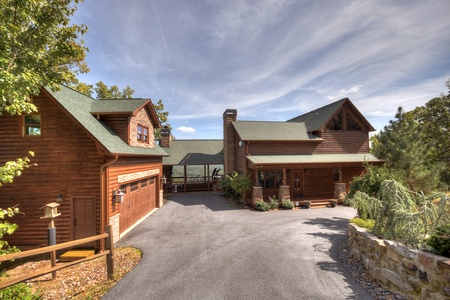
109,252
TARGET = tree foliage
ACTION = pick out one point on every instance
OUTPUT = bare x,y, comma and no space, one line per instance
401,214
7,228
240,184
417,144
39,46
14,168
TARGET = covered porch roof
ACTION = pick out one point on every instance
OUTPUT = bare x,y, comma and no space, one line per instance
310,159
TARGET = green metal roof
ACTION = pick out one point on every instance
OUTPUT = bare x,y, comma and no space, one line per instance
315,119
128,106
81,107
273,131
311,159
194,152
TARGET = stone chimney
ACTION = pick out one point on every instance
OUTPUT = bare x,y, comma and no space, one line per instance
166,137
229,152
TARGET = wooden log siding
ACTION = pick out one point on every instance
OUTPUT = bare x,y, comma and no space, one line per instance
68,163
344,142
119,124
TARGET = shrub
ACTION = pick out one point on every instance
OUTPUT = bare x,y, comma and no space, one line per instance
18,291
287,204
366,206
262,206
370,182
227,190
364,223
273,202
440,240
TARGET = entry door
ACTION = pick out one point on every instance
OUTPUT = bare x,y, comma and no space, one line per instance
84,217
297,190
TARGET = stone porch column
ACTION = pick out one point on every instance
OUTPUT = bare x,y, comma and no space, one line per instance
340,190
284,193
257,194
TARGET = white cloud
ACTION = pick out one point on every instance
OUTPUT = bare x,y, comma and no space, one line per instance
185,129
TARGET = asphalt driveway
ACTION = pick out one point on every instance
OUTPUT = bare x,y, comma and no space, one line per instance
199,246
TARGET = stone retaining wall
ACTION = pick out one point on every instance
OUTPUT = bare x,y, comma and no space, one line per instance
410,273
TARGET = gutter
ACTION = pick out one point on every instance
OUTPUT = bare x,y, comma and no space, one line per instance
104,197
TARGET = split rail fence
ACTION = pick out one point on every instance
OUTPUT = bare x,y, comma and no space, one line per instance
109,252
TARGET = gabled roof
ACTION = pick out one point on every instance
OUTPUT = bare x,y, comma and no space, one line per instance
315,120
81,108
194,152
273,131
124,106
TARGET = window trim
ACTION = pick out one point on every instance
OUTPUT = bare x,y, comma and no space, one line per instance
142,134
24,126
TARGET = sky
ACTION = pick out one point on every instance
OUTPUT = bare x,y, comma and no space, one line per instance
272,60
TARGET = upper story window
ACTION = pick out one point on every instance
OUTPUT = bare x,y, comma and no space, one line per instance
142,134
31,125
344,121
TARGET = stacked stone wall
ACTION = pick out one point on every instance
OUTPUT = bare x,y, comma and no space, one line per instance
410,273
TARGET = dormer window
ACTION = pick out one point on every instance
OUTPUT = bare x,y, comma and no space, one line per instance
142,134
31,125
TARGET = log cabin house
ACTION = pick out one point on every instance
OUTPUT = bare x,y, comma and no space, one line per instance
311,157
87,152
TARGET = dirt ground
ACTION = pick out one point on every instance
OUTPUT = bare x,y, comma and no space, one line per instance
81,281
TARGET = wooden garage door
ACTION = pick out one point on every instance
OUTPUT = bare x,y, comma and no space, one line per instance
139,200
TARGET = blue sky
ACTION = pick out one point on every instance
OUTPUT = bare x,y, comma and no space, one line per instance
271,60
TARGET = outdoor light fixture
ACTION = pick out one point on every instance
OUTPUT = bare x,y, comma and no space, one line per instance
118,196
164,180
59,197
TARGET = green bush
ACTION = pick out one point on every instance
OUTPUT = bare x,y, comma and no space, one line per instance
370,182
273,202
366,206
287,204
440,240
364,223
227,190
262,206
18,291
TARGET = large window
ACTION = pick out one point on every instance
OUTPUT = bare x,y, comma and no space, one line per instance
31,125
270,179
142,134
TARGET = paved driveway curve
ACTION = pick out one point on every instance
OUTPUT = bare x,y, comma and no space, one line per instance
199,246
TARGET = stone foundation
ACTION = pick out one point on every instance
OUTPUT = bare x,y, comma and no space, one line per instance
410,273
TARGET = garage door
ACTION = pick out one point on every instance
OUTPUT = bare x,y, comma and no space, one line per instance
139,200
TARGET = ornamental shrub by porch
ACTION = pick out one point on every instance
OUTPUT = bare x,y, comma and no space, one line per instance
287,204
262,206
273,202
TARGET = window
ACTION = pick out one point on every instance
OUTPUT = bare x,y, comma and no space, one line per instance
352,124
143,183
31,125
134,186
142,134
336,122
270,179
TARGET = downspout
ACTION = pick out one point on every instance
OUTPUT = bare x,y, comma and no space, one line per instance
103,197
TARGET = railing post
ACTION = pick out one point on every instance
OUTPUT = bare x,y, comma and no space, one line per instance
109,256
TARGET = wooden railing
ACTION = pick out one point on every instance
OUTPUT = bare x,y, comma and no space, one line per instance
109,252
